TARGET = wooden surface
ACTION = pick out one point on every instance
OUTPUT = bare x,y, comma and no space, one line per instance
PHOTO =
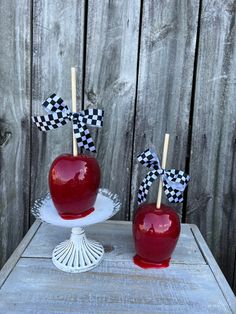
167,50
155,67
110,83
55,50
15,111
212,202
193,283
11,262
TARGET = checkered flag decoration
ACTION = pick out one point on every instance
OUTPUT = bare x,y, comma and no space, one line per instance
174,181
60,114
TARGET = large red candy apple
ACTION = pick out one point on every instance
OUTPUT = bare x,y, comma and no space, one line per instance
74,183
156,232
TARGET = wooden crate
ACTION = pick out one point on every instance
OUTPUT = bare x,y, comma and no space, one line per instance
193,283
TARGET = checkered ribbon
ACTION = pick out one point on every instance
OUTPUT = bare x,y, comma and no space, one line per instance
174,181
60,114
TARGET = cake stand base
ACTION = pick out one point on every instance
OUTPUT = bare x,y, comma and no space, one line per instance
78,254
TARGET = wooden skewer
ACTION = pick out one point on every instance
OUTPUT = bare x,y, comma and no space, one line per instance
73,93
163,165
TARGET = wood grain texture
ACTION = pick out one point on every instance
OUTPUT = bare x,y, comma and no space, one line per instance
117,240
234,276
168,39
211,196
36,286
226,290
117,285
10,264
110,83
14,124
109,46
58,38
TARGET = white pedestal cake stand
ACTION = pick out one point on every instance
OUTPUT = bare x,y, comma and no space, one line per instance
78,254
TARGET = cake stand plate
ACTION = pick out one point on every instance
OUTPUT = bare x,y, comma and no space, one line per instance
78,254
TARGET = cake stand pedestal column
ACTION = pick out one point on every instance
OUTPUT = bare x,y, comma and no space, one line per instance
78,254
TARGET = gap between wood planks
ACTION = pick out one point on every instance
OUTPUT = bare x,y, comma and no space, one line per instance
31,97
191,112
234,273
84,52
135,104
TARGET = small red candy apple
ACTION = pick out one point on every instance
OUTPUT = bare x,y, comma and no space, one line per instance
156,232
74,183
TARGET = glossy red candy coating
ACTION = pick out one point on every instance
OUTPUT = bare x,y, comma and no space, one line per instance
74,183
155,232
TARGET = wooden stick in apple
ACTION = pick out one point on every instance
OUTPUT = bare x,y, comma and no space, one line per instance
74,109
163,165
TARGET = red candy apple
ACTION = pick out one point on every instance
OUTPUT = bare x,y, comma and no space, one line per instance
74,183
156,232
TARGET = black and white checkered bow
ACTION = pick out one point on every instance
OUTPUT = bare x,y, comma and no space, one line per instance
60,114
174,181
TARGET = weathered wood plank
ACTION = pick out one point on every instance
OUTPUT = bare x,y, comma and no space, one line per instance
110,83
10,264
14,124
37,286
234,279
117,240
168,39
223,284
211,196
58,39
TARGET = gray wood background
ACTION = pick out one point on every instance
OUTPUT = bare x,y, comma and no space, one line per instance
155,67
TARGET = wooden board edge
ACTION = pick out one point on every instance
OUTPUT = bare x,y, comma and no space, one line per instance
216,271
117,222
123,222
11,262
